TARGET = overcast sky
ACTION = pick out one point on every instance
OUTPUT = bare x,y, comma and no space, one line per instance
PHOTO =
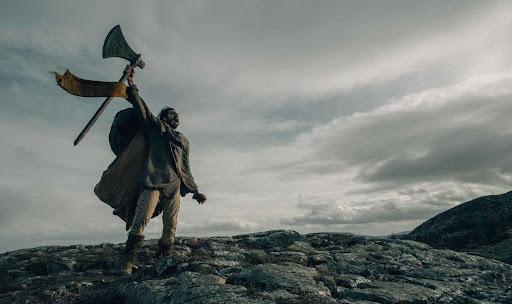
361,116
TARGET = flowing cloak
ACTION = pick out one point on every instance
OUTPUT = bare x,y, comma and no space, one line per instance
121,183
119,187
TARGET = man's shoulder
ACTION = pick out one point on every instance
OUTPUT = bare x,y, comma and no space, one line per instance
182,137
178,138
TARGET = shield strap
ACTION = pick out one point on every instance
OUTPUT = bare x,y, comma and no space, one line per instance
90,88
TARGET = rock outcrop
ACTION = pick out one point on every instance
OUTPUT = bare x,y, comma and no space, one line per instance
268,267
481,226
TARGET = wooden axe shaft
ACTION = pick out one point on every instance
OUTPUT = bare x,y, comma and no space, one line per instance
100,109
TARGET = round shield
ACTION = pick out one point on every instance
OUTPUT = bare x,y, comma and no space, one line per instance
123,129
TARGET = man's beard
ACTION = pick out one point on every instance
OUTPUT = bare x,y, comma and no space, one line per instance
172,123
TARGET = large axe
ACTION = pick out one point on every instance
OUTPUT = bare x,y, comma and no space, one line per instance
114,46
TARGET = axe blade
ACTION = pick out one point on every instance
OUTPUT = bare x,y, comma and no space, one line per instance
115,45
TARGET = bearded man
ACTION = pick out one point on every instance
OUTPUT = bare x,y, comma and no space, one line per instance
163,176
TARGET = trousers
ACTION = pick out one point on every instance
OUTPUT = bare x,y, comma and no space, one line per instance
146,204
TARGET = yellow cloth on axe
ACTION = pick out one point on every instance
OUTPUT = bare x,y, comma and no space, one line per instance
90,88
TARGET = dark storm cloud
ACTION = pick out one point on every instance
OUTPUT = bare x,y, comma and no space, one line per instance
478,156
438,135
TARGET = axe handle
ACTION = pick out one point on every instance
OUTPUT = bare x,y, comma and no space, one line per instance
100,110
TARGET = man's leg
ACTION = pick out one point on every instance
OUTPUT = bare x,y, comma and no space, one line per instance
171,206
146,205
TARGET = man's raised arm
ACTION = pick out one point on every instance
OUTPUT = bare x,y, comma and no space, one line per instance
143,112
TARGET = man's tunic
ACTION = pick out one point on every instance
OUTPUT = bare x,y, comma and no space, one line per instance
168,151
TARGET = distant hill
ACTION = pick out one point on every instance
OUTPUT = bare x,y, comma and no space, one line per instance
482,226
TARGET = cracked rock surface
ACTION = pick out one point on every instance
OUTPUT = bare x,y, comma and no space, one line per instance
279,266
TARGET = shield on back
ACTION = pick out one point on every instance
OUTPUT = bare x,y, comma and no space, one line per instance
123,129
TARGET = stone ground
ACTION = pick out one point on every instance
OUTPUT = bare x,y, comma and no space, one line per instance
269,267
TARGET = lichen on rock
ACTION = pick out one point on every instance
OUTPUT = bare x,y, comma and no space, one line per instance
279,266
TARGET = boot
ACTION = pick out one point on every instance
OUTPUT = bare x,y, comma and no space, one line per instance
130,252
164,249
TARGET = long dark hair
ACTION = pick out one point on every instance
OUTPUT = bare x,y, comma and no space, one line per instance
165,111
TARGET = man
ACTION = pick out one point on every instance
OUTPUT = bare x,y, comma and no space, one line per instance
164,176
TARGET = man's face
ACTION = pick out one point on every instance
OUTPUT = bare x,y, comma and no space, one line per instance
172,118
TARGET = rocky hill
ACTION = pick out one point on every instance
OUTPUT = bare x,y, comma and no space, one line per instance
482,226
268,267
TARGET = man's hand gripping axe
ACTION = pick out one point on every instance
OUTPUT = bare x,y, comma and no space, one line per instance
114,46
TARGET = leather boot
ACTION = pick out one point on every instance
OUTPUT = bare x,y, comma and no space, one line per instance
164,248
130,252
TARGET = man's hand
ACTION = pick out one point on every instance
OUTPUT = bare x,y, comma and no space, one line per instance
130,72
199,197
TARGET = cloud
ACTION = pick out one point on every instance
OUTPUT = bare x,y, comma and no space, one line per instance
368,106
34,216
459,132
218,226
380,212
412,204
